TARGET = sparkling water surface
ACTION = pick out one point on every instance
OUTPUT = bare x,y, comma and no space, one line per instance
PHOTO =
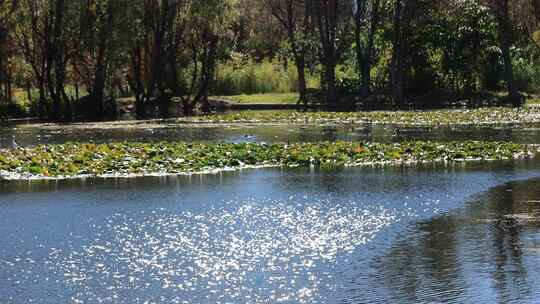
365,235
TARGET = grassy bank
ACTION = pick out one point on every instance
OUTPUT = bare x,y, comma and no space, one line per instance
481,116
271,98
139,159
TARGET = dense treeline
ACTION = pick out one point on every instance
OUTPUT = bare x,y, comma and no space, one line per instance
73,58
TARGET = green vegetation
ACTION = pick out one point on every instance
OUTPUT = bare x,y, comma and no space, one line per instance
77,57
481,116
271,98
135,159
533,101
244,76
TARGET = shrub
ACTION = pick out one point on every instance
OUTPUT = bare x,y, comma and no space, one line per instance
12,110
527,76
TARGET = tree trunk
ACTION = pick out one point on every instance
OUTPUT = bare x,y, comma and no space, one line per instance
137,82
99,87
164,103
536,6
139,106
2,58
396,69
29,91
365,54
100,75
364,64
56,83
504,40
302,86
42,102
365,90
330,79
9,96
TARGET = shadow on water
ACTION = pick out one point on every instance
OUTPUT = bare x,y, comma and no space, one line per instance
486,252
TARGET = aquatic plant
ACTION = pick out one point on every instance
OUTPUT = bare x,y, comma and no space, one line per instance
468,117
141,159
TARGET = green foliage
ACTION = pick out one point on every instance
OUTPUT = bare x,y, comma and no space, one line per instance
465,35
527,76
527,69
153,48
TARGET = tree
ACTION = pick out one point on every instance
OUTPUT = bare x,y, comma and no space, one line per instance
501,11
256,32
7,8
45,37
333,22
367,19
102,24
295,19
158,29
206,38
175,51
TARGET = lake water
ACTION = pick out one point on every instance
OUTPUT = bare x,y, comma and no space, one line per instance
28,135
434,234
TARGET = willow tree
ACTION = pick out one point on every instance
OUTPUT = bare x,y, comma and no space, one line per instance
7,9
157,30
527,16
174,50
45,37
295,18
102,25
501,9
208,24
367,20
333,23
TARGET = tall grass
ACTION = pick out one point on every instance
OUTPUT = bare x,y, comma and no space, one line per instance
250,77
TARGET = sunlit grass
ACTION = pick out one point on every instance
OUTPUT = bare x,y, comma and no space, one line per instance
268,98
533,101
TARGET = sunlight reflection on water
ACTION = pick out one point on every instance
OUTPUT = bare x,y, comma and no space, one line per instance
257,251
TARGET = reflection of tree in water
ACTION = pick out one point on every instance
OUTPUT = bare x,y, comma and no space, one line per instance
486,240
509,205
425,267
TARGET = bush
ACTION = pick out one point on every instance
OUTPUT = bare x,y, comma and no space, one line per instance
527,76
12,110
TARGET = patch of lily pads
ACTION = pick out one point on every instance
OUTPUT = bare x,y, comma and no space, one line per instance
127,159
464,117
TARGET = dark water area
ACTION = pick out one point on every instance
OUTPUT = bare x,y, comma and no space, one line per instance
29,135
432,234
486,252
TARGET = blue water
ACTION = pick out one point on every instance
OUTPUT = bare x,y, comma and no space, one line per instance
363,235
